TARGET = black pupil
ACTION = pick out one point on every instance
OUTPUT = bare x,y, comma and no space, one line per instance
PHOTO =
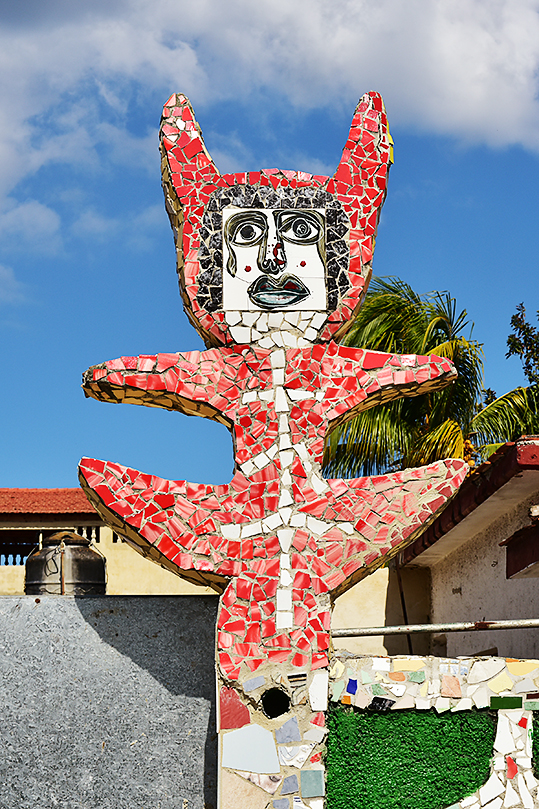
247,232
301,228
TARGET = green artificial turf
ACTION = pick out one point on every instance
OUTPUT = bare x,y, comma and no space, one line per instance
406,759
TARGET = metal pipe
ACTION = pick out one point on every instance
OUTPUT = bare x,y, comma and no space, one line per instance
470,626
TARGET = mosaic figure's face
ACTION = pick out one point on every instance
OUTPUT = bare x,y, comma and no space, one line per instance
274,259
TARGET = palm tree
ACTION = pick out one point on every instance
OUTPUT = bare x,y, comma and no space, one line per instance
461,421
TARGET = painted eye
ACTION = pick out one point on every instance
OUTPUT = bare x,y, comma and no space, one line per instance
247,234
300,228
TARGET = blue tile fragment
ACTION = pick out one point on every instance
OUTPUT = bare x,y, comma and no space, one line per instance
290,785
289,732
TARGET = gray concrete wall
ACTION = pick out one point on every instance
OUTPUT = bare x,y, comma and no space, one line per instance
470,585
107,702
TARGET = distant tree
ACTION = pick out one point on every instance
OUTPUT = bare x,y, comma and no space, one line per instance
462,421
524,343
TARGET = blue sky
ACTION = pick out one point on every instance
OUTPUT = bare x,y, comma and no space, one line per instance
86,253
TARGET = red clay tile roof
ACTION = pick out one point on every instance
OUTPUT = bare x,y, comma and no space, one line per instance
44,501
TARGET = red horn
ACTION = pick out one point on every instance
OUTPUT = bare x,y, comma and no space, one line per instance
182,144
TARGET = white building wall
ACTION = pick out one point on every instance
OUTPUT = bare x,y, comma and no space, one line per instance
470,585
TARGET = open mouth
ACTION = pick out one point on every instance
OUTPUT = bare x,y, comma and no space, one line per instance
272,293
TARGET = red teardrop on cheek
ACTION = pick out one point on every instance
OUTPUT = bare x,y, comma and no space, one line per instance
302,263
247,269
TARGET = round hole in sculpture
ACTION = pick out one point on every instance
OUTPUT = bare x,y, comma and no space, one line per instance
275,702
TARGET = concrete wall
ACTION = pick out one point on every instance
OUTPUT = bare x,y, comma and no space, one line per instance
376,601
107,703
470,585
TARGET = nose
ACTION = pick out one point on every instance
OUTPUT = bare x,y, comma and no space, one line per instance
272,258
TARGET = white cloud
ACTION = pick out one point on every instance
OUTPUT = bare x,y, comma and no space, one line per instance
11,290
76,76
30,225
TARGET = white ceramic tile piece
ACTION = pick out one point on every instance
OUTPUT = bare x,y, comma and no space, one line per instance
286,478
271,522
240,334
285,620
471,799
495,804
525,796
318,526
483,670
232,318
250,529
531,781
285,512
481,697
297,395
285,498
284,561
315,734
503,742
464,704
286,458
381,664
285,578
231,531
281,403
318,484
442,704
285,536
277,359
266,342
261,460
318,690
524,686
491,789
298,520
284,599
250,748
512,798
398,689
295,756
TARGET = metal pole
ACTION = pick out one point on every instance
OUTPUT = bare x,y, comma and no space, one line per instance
470,626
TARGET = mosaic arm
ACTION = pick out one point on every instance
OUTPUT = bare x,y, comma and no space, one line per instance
362,379
189,382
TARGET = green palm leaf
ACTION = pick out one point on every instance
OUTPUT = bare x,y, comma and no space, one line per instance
420,430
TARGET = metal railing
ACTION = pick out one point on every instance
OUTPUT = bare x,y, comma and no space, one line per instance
413,629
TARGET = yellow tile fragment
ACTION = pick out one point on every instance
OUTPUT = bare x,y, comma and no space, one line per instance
408,665
337,670
522,667
502,682
424,689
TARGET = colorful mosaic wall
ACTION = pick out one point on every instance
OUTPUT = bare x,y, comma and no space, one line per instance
272,267
426,733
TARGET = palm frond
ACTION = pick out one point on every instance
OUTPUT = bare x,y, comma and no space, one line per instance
446,440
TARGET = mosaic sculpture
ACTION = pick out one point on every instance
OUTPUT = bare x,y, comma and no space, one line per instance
272,266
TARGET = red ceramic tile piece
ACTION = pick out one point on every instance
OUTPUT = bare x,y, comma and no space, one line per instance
512,768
